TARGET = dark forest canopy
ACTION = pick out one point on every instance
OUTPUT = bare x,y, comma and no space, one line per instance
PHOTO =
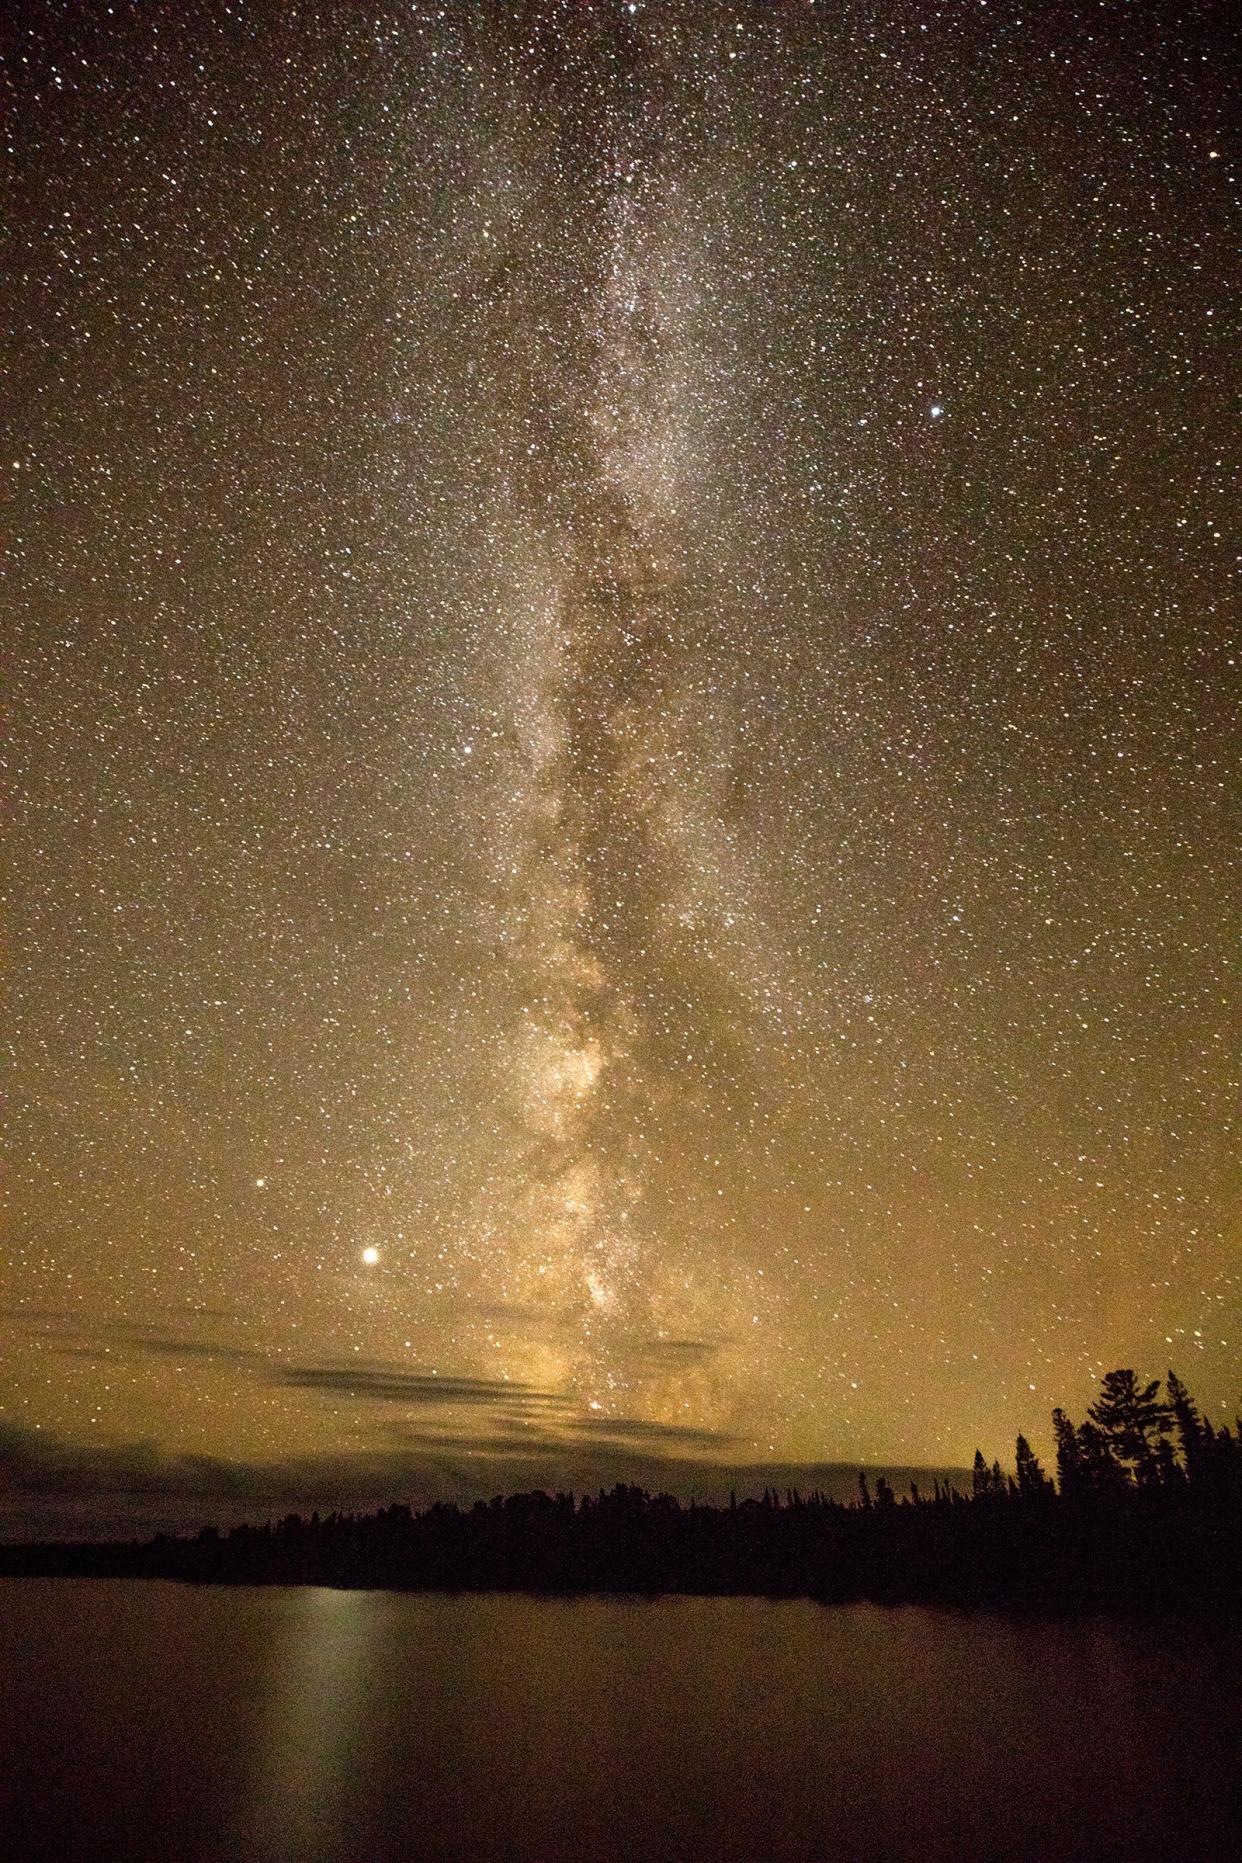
1145,1511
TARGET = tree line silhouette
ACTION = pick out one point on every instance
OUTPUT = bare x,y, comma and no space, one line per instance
1145,1511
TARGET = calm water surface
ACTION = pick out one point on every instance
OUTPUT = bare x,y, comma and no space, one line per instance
147,1720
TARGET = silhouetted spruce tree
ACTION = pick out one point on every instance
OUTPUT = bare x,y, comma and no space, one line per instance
1132,1420
980,1476
1189,1422
1069,1456
1031,1477
1169,1472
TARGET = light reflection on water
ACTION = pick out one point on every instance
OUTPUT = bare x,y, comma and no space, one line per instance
310,1744
142,1721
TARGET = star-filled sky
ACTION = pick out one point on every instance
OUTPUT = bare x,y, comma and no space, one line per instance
621,755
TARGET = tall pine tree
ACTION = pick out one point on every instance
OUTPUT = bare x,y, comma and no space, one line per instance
1132,1419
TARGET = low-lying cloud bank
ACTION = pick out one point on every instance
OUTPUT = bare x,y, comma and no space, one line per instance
51,1488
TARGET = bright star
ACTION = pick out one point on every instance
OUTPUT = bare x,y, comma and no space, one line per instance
370,1256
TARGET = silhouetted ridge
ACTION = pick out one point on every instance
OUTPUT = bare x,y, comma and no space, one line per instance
1146,1511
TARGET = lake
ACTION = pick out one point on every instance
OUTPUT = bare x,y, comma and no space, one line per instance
144,1720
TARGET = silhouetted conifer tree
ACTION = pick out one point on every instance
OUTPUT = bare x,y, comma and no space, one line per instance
1031,1477
1100,1471
1168,1470
1189,1422
1069,1459
1132,1420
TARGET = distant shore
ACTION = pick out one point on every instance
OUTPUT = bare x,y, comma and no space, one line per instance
995,1549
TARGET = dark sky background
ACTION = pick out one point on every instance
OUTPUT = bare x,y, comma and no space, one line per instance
622,760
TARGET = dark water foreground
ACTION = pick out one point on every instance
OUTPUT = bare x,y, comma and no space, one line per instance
149,1720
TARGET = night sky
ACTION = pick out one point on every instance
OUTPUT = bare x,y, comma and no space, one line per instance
621,759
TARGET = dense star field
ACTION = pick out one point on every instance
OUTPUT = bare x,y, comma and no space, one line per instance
621,762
